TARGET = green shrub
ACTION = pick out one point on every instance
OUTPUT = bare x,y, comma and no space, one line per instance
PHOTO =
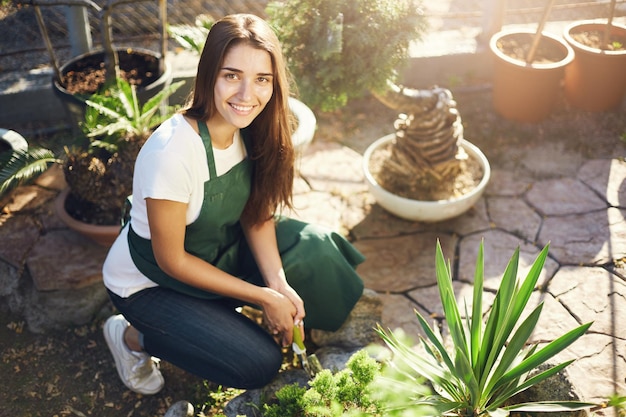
344,393
341,49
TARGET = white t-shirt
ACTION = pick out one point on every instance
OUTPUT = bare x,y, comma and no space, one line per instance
171,165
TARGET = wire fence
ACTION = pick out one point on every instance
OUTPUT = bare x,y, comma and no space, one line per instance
22,47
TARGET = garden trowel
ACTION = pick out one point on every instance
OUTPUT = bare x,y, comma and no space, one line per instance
309,363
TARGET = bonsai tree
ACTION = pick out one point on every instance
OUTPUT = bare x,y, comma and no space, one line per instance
339,50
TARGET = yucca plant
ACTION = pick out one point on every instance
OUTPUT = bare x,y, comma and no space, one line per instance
489,362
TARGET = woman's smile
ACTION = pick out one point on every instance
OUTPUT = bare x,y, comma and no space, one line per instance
244,85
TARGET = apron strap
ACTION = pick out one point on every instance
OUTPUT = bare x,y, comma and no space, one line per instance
206,139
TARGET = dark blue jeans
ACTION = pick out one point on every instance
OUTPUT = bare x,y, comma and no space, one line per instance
208,338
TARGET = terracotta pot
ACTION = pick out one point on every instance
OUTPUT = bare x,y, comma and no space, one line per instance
128,59
596,79
425,211
527,92
102,235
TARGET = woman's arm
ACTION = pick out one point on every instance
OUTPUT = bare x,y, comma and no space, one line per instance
167,228
262,241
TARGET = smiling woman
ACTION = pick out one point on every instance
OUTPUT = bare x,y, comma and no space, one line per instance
205,235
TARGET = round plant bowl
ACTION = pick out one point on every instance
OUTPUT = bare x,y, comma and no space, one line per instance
142,61
596,79
425,211
102,235
305,130
527,92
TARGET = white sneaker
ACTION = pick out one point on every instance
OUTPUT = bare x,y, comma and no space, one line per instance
138,370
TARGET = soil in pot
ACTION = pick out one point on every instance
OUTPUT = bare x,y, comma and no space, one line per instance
87,75
90,213
596,81
464,178
518,45
595,39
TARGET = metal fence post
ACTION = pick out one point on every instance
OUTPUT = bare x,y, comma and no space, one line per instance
78,29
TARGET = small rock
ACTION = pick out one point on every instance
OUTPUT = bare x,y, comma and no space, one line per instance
180,409
358,329
556,388
334,358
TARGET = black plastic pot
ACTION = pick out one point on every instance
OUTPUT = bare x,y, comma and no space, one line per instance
144,62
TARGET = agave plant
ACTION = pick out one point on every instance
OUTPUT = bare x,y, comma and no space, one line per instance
488,362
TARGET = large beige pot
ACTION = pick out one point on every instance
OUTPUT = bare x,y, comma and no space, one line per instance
527,92
596,79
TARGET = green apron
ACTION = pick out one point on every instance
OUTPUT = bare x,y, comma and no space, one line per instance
319,265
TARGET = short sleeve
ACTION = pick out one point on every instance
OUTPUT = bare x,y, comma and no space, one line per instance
164,175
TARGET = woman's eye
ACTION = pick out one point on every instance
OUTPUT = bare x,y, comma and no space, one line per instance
263,80
231,76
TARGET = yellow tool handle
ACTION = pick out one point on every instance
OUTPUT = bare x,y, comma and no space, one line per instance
298,343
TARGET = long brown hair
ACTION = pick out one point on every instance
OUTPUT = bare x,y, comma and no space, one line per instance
270,132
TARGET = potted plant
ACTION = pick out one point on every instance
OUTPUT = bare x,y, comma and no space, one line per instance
99,171
84,75
529,68
343,50
427,171
596,79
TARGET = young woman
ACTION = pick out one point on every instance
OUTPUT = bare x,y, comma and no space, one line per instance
204,236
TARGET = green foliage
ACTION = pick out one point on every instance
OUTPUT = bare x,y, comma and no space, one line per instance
21,166
341,49
216,400
619,402
115,114
344,393
488,362
192,38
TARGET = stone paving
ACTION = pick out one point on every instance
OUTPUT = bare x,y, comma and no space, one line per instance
580,212
582,218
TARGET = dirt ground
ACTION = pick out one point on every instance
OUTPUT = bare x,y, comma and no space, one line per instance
71,373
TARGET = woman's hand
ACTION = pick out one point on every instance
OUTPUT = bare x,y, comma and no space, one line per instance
278,314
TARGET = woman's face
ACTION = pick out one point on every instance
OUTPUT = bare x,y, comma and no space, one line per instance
244,85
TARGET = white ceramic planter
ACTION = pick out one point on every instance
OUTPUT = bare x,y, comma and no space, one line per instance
14,140
303,135
425,211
